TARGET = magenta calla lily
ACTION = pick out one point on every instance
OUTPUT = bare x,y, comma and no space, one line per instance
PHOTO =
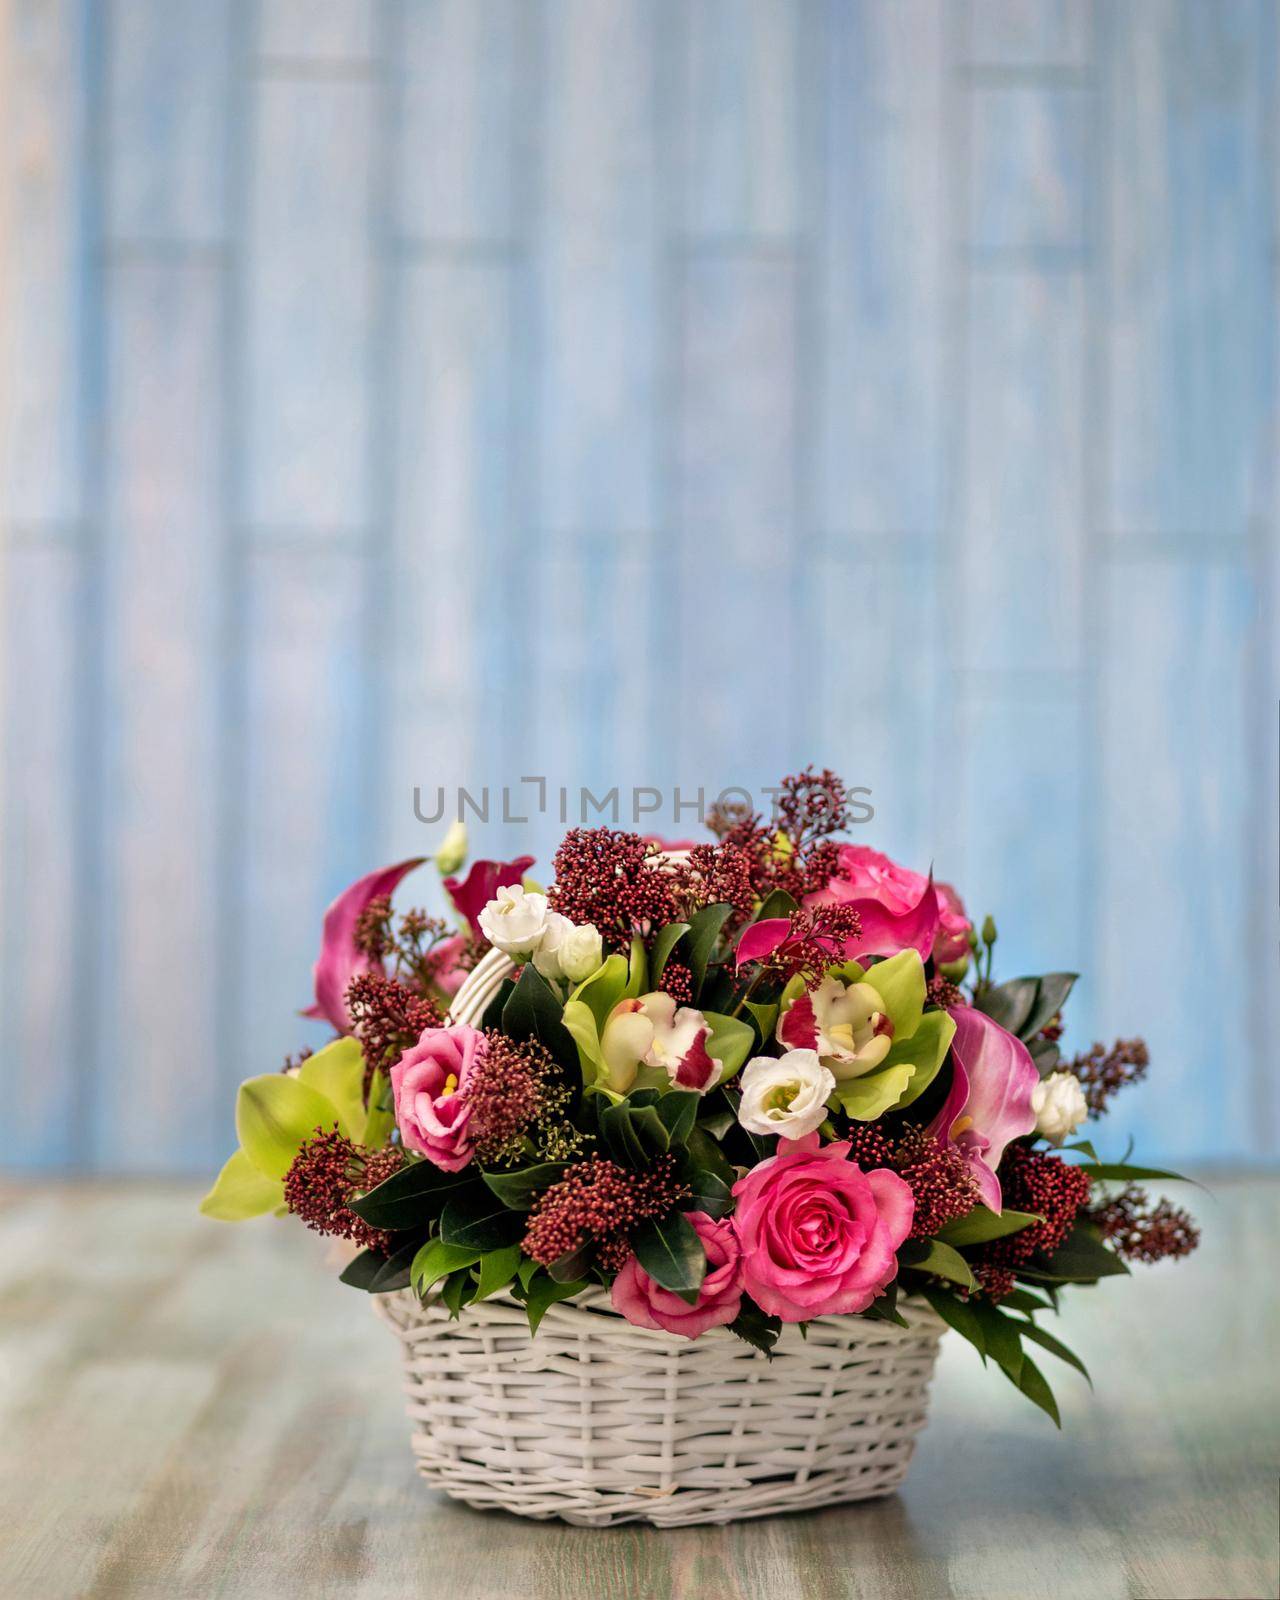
340,960
473,893
990,1099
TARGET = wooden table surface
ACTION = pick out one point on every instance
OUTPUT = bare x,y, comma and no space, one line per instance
196,1409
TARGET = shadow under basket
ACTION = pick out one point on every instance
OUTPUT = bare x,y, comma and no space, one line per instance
599,1422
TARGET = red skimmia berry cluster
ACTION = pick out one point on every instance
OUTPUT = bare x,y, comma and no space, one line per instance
1102,1072
940,1180
387,1017
616,881
1140,1231
516,1093
677,981
1031,1180
601,1204
326,1172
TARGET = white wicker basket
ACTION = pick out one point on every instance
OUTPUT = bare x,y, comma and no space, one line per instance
600,1422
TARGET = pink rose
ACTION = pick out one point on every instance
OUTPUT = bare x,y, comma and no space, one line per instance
951,942
898,908
818,1234
430,1083
640,1300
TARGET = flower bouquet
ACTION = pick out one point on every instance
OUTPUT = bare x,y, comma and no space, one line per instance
669,1177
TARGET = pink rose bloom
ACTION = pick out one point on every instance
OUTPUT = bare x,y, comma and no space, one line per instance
640,1300
819,1236
951,942
430,1083
899,908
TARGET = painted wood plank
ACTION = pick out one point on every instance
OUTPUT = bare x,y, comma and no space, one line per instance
877,695
734,490
1187,269
740,118
41,1078
1015,843
1027,171
880,316
1173,813
460,63
596,271
167,134
307,829
157,1067
310,304
1029,33
319,31
458,669
1021,555
42,154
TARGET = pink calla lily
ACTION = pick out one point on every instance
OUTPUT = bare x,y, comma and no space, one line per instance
340,960
990,1099
473,893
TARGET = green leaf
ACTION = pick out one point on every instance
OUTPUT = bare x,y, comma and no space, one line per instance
708,1155
874,1093
379,1274
241,1191
678,1112
1024,1300
926,1049
766,1015
671,1253
1122,1172
1084,1147
755,1328
730,1042
704,931
1055,1346
709,1192
1050,998
521,1188
1080,1258
1032,1383
276,1115
620,1136
337,1072
380,1118
544,1292
979,1225
932,1255
436,1259
1010,1003
362,1271
1000,1336
476,1219
603,989
899,981
1046,1055
497,1268
668,938
777,903
957,1314
574,1265
459,1290
534,1011
410,1198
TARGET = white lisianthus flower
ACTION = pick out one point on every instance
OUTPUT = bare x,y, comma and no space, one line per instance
515,922
785,1094
568,951
1059,1104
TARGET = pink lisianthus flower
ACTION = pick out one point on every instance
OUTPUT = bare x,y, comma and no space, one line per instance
647,1304
473,893
898,908
990,1101
951,942
819,1236
430,1083
339,959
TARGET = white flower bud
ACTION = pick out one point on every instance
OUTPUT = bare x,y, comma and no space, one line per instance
1060,1106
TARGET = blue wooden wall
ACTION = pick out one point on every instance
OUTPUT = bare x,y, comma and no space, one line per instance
629,391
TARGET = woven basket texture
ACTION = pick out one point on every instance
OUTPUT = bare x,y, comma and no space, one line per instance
600,1422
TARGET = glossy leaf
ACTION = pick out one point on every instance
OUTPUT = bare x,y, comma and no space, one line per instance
241,1191
436,1259
497,1268
932,1255
957,1314
1080,1258
678,1112
668,938
519,1189
981,1224
671,1252
544,1292
410,1198
477,1220
704,931
1043,1337
1034,1385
